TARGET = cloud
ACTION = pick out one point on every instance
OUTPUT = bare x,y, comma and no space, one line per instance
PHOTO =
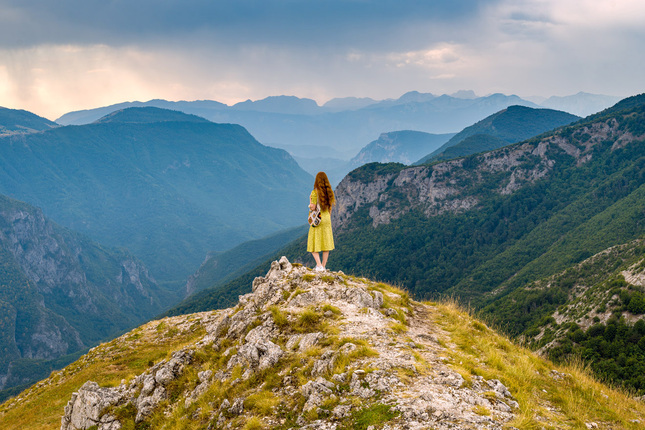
323,22
74,54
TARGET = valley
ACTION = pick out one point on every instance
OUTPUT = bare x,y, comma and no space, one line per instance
506,217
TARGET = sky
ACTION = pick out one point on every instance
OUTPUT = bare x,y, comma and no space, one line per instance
66,55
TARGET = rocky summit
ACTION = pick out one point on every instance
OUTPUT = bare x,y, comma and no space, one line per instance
330,345
312,350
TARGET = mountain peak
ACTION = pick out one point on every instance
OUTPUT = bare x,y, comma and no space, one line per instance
148,114
311,343
18,121
290,105
416,97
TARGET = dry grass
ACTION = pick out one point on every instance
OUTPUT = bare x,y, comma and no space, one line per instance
107,364
546,400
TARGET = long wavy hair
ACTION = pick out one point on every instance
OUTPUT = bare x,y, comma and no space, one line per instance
325,194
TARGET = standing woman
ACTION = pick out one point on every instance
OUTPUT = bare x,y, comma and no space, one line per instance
321,238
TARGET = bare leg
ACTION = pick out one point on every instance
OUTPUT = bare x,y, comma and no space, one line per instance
324,259
317,258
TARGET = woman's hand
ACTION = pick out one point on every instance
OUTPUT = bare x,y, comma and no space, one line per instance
312,206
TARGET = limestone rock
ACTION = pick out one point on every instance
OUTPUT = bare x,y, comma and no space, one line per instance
86,407
369,358
256,355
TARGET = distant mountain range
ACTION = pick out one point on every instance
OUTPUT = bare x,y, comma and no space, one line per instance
342,127
509,125
61,293
168,186
511,232
581,104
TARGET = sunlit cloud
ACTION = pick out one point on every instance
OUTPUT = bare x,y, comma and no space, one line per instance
69,55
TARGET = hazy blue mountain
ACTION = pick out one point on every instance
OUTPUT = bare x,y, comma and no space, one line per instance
581,104
509,125
289,105
148,114
464,94
287,121
62,293
398,146
348,103
335,168
409,97
16,121
169,191
405,147
201,108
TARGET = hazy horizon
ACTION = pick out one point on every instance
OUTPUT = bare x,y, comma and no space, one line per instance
75,55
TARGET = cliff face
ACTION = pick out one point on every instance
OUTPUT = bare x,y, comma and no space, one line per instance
61,292
459,185
318,351
399,146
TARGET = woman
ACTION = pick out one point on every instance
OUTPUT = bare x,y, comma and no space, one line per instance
321,237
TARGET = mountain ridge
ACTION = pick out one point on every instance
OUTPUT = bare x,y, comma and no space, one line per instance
403,146
346,131
511,125
143,185
18,121
61,292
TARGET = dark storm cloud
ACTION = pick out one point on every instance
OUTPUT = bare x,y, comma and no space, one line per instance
325,22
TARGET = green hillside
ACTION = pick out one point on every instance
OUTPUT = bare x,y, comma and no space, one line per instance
170,191
593,311
471,145
510,125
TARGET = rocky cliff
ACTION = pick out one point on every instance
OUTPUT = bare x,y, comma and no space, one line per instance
388,192
322,351
61,292
404,146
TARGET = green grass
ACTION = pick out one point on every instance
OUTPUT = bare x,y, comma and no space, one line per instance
371,416
308,321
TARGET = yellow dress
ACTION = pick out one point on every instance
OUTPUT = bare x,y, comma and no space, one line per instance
321,238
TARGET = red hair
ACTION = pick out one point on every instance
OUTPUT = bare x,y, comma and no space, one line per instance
323,189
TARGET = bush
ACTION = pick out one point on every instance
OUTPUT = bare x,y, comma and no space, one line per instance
637,303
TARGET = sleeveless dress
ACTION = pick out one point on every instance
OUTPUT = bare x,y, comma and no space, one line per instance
320,238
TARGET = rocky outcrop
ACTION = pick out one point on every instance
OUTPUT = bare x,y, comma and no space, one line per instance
448,186
94,406
328,346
